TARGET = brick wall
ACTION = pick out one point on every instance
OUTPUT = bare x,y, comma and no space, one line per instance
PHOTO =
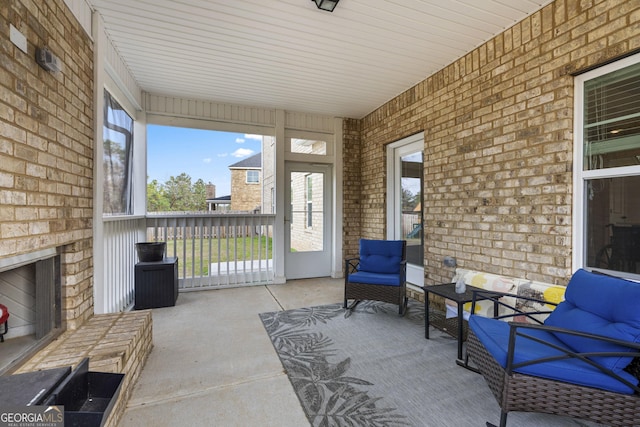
46,146
352,193
498,128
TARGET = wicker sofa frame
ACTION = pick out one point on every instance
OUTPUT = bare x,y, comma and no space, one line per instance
526,393
365,291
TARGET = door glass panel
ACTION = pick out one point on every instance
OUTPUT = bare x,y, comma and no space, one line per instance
411,200
307,216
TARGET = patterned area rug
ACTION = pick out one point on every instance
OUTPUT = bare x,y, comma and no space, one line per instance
374,368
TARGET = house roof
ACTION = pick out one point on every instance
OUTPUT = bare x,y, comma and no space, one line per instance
253,162
220,200
289,55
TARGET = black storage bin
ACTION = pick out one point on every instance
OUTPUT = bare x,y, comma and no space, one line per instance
31,388
87,396
156,284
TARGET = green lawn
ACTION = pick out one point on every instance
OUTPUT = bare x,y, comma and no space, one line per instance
197,254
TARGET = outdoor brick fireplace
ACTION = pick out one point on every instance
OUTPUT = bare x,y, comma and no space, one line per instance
47,203
46,166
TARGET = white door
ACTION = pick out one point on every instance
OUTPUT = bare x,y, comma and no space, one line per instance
405,202
307,222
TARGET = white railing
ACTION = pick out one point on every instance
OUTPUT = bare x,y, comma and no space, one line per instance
216,250
213,250
120,237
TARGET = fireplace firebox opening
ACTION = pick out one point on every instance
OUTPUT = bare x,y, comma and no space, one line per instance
30,287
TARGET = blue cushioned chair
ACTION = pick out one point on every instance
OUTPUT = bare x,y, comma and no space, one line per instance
582,362
379,273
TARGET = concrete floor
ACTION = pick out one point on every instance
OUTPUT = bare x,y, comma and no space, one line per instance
213,364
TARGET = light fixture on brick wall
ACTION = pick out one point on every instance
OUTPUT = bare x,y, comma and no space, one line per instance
450,261
327,5
48,60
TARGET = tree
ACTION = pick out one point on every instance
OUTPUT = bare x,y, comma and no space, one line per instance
115,176
156,198
178,190
409,200
199,195
177,194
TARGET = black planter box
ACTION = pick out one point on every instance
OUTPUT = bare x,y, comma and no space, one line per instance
150,251
88,397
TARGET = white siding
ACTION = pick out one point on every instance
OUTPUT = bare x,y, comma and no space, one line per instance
208,110
82,12
237,114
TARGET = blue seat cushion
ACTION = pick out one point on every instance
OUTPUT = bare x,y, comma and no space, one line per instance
375,278
494,335
600,305
381,256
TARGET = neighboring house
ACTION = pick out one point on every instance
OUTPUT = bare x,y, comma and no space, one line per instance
216,203
246,184
221,204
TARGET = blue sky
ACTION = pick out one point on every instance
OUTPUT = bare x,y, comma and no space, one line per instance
201,154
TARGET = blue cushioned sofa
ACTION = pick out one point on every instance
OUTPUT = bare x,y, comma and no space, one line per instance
582,361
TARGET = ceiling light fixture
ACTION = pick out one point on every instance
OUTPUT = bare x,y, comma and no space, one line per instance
327,5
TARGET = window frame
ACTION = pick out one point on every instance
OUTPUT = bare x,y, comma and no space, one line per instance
257,176
582,176
328,139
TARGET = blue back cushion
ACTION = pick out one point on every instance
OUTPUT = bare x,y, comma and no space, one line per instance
380,256
600,305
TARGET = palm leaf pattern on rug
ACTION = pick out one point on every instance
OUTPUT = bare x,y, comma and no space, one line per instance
329,396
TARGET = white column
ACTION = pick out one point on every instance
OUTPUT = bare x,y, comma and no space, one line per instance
99,76
338,197
279,176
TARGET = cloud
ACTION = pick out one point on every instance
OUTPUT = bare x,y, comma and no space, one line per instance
240,140
251,136
242,152
207,160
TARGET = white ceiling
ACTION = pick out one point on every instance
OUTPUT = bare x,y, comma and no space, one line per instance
288,54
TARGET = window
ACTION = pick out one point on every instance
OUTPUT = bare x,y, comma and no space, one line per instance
253,177
117,160
305,146
308,146
607,210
